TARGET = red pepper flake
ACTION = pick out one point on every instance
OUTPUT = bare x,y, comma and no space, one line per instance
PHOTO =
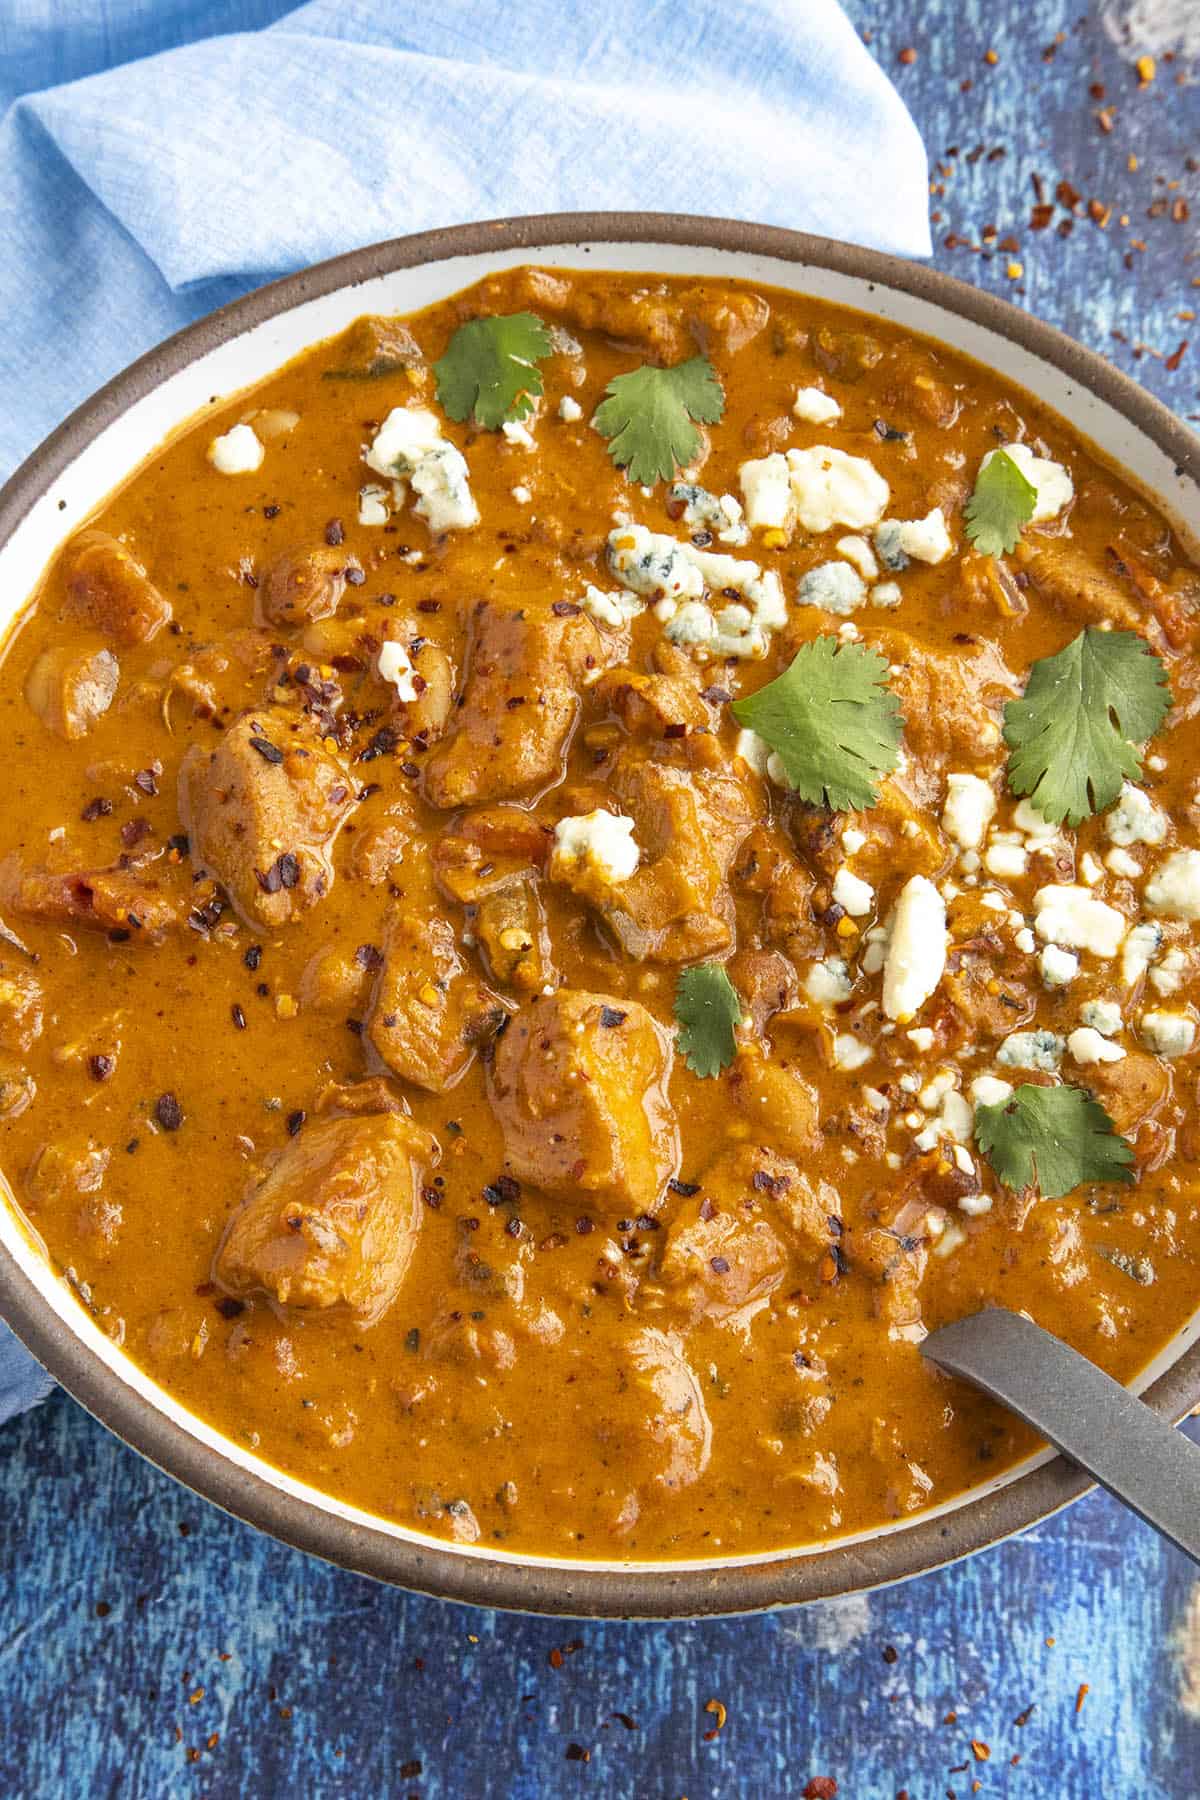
719,1713
238,1016
411,1769
1106,118
890,1652
335,533
1081,1696
168,1112
99,808
979,1750
577,1753
1022,1719
100,1067
270,753
555,1658
1176,357
719,1265
624,1719
821,1787
908,56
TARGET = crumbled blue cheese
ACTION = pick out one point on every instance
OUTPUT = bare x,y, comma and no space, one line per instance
1103,1016
1168,977
1058,966
817,488
989,1090
815,406
828,983
849,1052
1068,915
1167,1033
1139,951
852,894
858,551
886,593
373,506
236,452
767,491
915,957
1174,888
1031,1050
655,566
602,840
394,666
1052,484
968,811
921,540
1135,819
1119,862
522,495
516,431
409,445
888,547
834,586
1007,862
611,609
720,513
1090,1046
570,409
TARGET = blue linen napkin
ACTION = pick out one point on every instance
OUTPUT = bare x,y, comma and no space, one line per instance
160,157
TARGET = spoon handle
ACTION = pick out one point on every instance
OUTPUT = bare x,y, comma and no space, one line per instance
1087,1415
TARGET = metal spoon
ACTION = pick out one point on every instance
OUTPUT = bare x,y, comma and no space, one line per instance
1092,1419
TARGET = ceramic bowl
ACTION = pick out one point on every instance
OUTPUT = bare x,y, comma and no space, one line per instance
102,443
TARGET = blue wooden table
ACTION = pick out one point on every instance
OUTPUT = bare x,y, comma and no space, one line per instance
151,1647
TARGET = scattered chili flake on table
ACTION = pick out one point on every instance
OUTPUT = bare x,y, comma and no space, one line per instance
717,1709
577,1753
821,1787
979,1750
1081,1696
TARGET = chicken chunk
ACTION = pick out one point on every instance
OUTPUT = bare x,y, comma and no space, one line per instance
767,865
110,591
138,899
579,1087
688,825
428,1015
519,704
332,1227
489,850
1085,590
510,928
261,812
70,686
765,1090
651,1422
723,1253
1130,1090
305,585
952,703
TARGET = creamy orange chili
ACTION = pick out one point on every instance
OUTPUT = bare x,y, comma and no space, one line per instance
372,786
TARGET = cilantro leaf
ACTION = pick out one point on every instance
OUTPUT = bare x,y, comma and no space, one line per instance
1051,1138
1072,737
490,372
1002,502
707,1008
647,416
831,720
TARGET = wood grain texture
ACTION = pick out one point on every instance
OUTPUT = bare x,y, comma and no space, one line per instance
152,1647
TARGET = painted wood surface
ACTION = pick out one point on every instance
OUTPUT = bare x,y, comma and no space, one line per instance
151,1647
